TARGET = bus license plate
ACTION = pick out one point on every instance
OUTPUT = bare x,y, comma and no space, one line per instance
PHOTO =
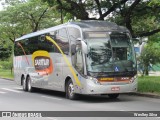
115,88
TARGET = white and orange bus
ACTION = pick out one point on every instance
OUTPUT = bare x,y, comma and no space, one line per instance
86,57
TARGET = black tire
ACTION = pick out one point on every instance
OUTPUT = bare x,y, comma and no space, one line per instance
113,96
29,85
70,91
24,84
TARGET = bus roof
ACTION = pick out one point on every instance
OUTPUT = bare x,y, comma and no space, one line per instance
95,25
85,25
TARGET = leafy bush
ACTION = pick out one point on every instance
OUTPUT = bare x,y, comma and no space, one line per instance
6,64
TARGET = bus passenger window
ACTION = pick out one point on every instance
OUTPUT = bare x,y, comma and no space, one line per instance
17,49
62,40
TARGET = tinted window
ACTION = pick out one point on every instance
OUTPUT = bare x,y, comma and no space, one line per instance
44,44
17,49
29,46
61,38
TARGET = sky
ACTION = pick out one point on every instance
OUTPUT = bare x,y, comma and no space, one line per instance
1,7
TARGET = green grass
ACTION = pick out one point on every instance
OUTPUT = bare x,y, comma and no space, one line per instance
149,84
6,74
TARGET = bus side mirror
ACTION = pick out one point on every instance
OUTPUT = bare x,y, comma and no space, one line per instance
84,47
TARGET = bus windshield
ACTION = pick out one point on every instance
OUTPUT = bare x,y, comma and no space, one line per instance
110,53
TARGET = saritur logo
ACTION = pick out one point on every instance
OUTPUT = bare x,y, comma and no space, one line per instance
42,62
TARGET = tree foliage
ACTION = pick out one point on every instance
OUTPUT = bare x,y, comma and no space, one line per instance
22,17
5,50
141,17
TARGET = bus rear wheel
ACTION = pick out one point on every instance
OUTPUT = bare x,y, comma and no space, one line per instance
113,96
24,84
70,90
29,86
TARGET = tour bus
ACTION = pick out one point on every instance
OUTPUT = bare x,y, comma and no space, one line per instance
85,57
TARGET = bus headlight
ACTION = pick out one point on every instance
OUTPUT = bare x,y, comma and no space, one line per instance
93,79
133,79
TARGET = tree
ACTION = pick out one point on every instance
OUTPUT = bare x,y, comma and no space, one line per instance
22,17
150,54
129,13
5,50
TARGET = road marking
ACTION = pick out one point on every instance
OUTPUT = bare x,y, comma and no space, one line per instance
19,88
121,110
16,91
2,92
52,118
51,98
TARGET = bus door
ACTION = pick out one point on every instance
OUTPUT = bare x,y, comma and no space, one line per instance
77,57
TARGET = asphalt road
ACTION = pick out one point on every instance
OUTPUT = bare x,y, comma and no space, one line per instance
13,98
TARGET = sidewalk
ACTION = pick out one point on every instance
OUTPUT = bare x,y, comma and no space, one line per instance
154,73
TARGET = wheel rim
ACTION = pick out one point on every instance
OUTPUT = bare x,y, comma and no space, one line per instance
71,89
29,84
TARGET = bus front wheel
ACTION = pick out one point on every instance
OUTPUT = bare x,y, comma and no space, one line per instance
113,96
70,90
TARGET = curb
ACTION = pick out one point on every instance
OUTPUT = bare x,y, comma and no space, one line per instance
7,79
150,95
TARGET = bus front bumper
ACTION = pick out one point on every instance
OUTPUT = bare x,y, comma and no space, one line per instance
93,88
